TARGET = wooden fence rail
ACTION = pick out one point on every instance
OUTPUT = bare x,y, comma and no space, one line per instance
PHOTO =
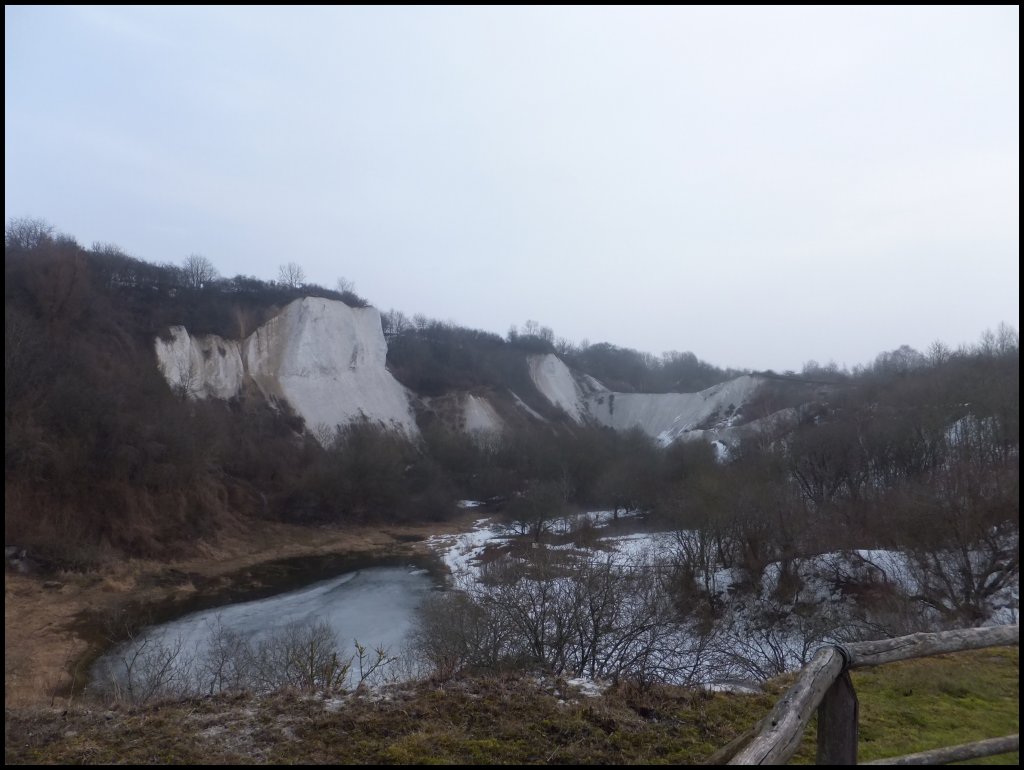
824,685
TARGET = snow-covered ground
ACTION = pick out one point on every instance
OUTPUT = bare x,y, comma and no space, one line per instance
462,552
763,626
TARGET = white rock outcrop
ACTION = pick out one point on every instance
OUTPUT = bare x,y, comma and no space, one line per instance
561,387
323,358
668,417
480,417
207,366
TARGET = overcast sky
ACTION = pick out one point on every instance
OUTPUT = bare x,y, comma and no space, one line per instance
760,186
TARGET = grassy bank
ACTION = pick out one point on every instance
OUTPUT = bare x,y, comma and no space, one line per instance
515,719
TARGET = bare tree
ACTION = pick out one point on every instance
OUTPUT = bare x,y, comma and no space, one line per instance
535,508
395,323
585,617
291,275
143,667
371,667
198,271
27,233
301,656
344,285
186,386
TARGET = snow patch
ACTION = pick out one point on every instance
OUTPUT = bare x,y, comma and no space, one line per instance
461,552
588,687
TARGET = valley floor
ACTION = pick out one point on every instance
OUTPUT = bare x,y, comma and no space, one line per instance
51,623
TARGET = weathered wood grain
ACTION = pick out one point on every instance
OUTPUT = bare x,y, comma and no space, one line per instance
921,645
781,731
824,681
838,724
960,753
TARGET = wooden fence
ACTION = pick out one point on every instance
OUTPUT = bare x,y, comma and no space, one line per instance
824,684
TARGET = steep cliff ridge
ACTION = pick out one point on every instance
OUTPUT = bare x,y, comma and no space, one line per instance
713,414
205,366
479,416
327,361
559,385
671,416
322,357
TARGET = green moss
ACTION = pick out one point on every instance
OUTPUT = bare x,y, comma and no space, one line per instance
956,699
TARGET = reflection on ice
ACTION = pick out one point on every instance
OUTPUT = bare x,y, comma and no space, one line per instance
374,607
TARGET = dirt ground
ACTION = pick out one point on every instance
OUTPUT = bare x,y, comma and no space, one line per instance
42,644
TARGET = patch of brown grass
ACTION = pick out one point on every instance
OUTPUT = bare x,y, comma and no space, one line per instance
498,719
489,720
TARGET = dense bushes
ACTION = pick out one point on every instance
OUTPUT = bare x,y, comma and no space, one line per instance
433,358
626,370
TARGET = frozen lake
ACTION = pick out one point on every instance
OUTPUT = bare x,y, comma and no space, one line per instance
375,606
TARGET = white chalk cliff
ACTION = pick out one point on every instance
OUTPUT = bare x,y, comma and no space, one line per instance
557,383
708,414
670,416
480,417
327,361
323,358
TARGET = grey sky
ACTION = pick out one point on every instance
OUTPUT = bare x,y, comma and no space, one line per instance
760,186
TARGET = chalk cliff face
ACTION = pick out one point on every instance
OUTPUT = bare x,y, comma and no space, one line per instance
327,360
559,385
207,366
323,358
711,414
480,417
671,416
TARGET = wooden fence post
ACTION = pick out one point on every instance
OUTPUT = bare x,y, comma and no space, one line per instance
824,684
838,723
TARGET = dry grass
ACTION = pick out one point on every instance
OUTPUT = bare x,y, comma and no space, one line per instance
493,720
510,719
